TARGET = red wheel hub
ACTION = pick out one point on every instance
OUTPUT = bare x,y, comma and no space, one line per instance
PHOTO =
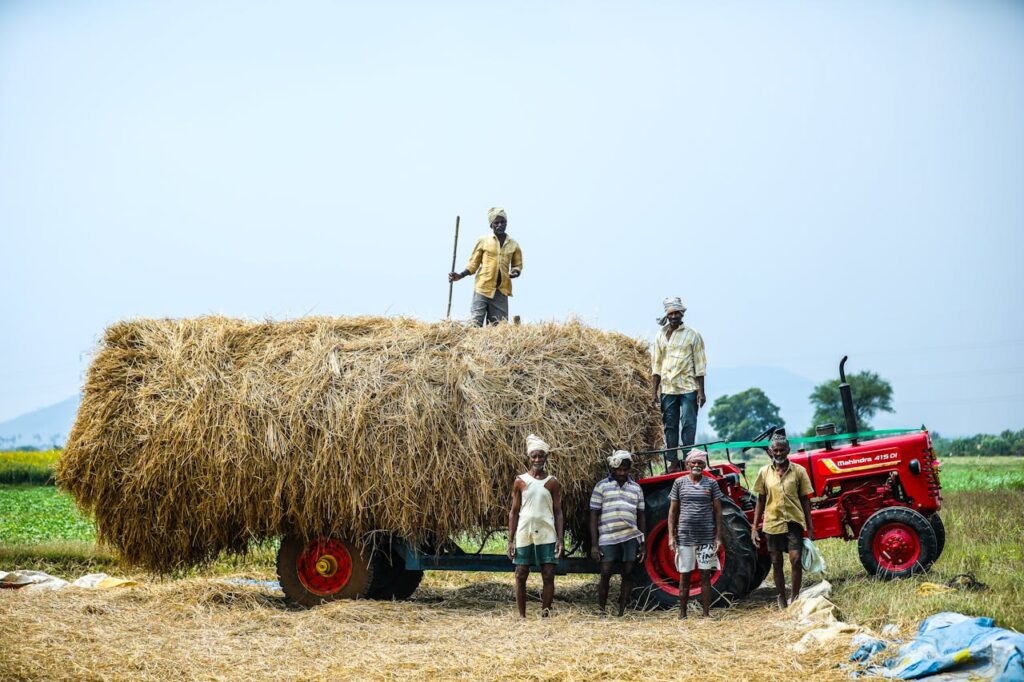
325,566
661,564
896,547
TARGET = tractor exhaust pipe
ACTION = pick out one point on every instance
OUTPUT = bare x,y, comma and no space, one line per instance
846,394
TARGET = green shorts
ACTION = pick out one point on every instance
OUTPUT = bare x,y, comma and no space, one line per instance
535,555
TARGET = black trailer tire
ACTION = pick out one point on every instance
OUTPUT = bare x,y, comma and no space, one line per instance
345,573
940,533
391,579
738,576
897,542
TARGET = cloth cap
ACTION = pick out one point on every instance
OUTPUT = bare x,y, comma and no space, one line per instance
496,212
618,457
695,454
673,304
535,443
779,441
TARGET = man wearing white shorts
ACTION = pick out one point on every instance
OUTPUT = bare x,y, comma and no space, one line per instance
695,528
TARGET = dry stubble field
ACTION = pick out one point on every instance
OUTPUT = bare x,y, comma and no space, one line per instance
462,626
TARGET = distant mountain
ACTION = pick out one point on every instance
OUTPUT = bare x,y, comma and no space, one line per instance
42,428
784,388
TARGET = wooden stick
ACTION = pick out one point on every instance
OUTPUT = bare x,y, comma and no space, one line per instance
455,250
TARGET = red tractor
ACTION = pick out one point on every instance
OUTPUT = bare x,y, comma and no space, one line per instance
880,488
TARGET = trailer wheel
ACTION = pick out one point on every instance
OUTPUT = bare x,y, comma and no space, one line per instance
657,580
897,542
321,570
940,533
391,579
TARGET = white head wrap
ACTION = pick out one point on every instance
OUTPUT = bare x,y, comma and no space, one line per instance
674,304
496,212
618,457
535,443
696,454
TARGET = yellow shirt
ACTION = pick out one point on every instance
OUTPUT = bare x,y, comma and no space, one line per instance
489,258
781,496
679,360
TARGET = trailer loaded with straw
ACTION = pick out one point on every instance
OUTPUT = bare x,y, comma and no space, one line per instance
370,445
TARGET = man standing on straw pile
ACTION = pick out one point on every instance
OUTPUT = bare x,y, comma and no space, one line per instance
496,260
678,366
695,529
784,500
536,527
617,527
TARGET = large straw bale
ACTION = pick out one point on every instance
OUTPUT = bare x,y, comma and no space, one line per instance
200,435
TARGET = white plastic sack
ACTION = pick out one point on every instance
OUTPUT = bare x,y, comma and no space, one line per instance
31,581
811,558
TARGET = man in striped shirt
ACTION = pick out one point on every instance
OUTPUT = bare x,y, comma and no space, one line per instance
678,365
617,527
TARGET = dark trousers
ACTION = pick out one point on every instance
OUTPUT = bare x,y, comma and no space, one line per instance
676,409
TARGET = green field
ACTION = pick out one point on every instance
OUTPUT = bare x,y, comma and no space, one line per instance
983,509
28,467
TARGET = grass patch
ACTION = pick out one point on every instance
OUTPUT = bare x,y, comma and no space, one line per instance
28,467
68,559
40,514
982,473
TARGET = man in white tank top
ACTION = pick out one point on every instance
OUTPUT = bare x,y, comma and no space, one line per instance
536,528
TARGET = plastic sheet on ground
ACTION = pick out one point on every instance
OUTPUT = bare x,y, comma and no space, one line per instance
933,588
272,585
102,581
957,647
31,581
38,581
814,609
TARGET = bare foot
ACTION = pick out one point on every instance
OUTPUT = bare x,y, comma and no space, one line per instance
782,603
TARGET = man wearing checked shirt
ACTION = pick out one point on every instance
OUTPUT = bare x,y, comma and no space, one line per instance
617,527
678,365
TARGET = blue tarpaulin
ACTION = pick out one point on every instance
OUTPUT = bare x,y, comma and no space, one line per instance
960,647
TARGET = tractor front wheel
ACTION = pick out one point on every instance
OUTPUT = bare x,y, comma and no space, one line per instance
897,542
321,570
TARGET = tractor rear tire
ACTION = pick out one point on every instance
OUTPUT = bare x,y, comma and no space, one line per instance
656,579
322,570
940,533
764,567
897,542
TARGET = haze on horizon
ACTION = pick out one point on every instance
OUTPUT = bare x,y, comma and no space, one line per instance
813,179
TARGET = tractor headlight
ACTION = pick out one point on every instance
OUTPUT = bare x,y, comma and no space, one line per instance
915,467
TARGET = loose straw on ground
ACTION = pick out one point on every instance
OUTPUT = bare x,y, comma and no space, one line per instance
464,629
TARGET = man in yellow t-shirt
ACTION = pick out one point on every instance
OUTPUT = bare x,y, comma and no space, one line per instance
496,260
784,503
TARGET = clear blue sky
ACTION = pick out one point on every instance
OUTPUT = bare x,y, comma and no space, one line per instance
812,178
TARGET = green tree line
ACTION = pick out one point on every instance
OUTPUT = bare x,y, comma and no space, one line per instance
983,444
747,414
